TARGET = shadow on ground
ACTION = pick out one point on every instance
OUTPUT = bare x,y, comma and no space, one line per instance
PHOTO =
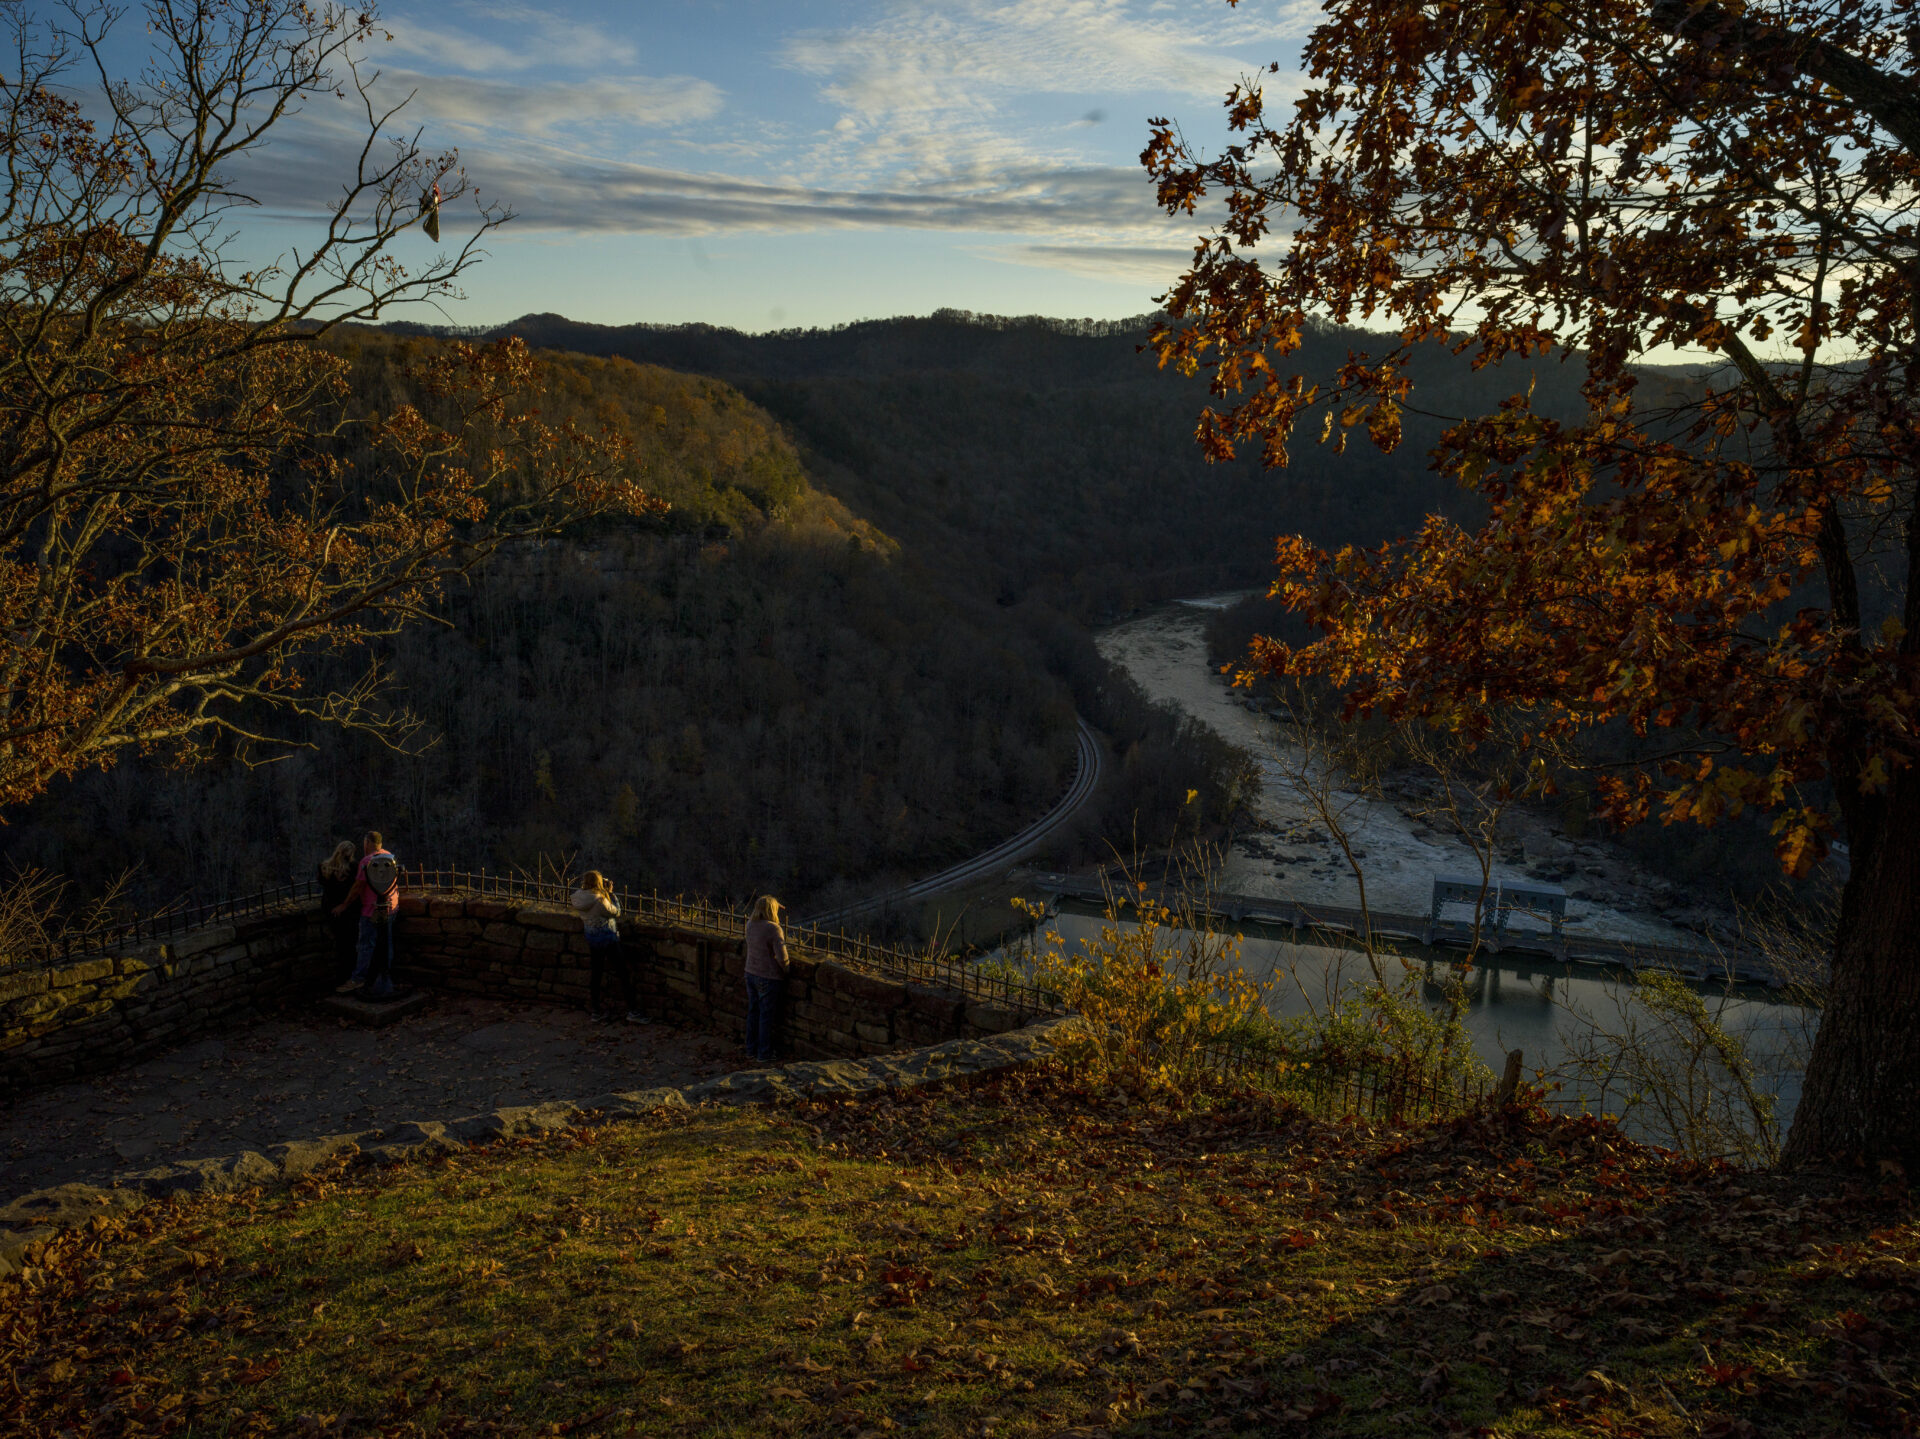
306,1074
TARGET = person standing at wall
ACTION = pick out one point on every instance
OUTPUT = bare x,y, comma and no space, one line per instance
376,888
600,916
766,947
336,881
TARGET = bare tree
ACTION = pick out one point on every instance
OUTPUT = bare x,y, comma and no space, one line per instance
1333,770
1477,780
187,508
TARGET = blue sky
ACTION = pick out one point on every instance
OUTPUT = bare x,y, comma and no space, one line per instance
764,165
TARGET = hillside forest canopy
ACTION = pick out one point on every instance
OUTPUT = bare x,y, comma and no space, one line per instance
752,689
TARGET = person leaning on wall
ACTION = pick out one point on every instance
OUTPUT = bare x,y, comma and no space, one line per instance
766,966
336,880
376,897
600,917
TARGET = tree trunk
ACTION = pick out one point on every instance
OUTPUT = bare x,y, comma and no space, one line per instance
1860,1106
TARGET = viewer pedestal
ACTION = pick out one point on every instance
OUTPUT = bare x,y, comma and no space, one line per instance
374,1013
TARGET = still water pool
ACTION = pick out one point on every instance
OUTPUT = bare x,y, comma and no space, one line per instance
1539,1006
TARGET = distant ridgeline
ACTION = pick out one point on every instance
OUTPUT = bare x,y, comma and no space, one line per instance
1050,460
762,690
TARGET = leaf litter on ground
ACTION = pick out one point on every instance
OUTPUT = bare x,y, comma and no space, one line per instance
1023,1257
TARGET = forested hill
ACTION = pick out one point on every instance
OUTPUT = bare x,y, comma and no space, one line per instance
1050,460
759,690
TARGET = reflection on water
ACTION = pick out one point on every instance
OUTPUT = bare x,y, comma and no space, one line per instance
1523,1002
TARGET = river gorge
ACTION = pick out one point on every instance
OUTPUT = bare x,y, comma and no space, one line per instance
1527,1002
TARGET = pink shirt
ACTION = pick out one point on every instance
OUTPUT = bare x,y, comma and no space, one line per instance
766,949
369,897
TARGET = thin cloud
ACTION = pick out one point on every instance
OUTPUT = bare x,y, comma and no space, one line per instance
561,188
645,100
546,37
927,89
970,55
1156,265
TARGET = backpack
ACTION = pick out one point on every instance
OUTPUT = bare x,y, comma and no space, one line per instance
383,878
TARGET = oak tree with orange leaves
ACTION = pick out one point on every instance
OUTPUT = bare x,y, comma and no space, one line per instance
1602,181
189,508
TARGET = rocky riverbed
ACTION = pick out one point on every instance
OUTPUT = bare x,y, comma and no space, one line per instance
1290,855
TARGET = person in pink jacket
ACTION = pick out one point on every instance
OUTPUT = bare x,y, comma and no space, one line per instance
766,948
376,896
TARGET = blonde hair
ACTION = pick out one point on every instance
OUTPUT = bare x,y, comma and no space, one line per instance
595,880
341,863
766,907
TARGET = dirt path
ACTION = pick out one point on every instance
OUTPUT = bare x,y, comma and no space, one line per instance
304,1075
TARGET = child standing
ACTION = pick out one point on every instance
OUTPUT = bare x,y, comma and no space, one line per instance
600,916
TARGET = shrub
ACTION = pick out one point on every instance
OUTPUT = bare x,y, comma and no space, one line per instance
1160,1001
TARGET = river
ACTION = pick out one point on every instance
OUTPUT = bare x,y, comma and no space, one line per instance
1533,1004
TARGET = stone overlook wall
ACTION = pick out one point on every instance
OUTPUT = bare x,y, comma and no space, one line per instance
93,1015
698,981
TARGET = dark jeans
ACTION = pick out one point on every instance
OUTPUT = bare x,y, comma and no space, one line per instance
374,966
345,929
763,1010
604,954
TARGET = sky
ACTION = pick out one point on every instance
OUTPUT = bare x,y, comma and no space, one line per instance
764,164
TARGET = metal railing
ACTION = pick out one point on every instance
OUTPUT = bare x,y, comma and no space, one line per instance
1375,1091
157,928
651,907
1380,1090
644,907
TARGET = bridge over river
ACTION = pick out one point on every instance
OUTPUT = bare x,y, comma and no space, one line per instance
1331,919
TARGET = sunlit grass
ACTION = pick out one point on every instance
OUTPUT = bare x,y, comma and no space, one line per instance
1017,1259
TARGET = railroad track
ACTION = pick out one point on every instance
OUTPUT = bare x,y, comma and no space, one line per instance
1089,765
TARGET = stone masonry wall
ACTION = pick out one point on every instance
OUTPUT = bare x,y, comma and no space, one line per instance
697,981
94,1015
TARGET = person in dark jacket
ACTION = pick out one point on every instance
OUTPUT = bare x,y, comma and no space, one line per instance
766,966
336,878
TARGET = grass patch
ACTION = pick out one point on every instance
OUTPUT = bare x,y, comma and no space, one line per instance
1020,1258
